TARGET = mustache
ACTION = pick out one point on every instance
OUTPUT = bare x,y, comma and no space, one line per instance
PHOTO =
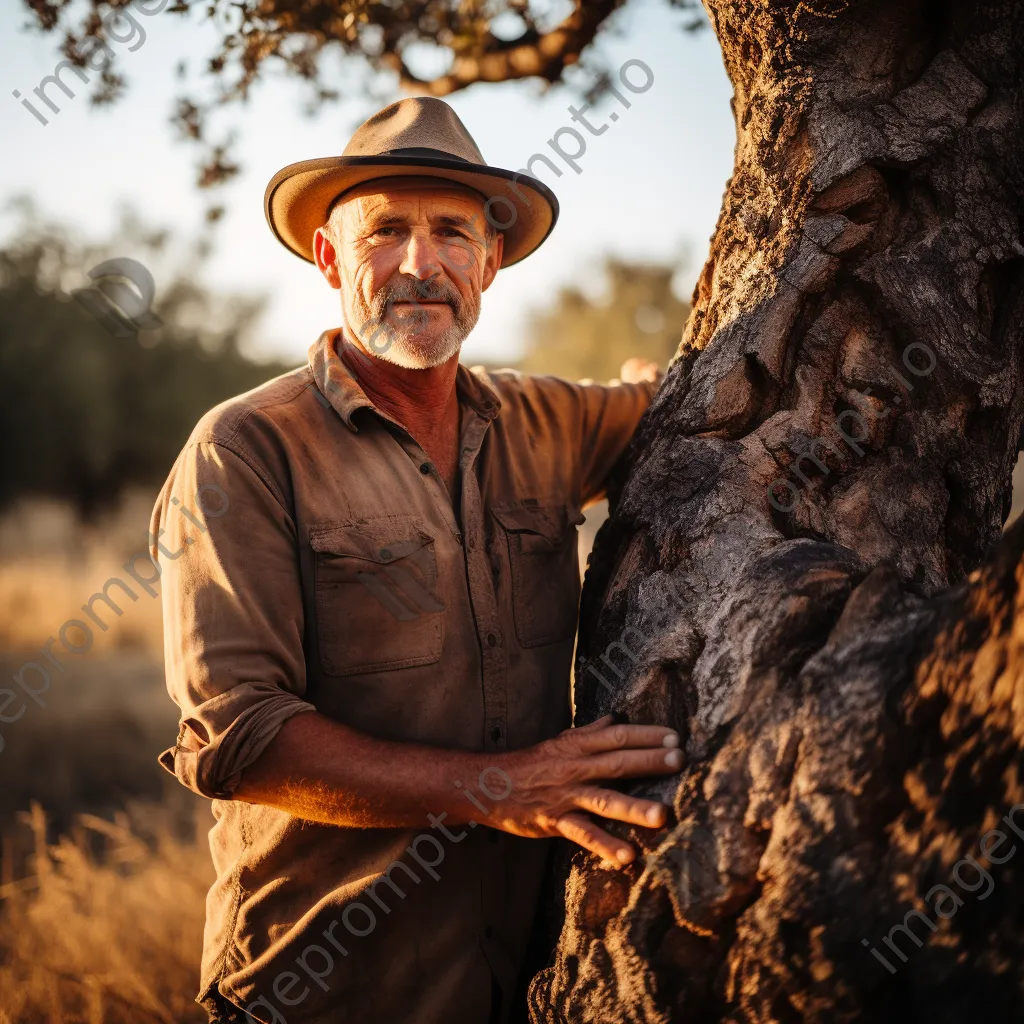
407,289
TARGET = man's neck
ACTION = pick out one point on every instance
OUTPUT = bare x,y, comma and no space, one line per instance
399,392
424,402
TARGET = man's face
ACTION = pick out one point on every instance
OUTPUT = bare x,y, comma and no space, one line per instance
411,258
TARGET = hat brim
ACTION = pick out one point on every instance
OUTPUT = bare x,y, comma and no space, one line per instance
298,197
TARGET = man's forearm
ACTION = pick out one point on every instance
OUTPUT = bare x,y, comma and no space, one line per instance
320,770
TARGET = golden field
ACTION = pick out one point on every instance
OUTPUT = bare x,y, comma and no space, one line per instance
103,857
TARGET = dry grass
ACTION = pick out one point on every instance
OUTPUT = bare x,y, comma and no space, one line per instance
101,910
109,928
51,563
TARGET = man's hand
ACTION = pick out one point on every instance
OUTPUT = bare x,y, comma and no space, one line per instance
320,770
636,371
556,782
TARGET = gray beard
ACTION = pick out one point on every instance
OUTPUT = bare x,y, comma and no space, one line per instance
399,339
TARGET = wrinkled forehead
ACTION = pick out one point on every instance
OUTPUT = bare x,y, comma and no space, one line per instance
409,197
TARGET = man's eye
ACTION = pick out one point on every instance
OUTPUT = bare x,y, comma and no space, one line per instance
385,233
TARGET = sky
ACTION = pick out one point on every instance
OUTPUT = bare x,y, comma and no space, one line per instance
648,189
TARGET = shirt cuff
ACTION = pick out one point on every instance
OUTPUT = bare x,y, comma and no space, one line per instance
213,767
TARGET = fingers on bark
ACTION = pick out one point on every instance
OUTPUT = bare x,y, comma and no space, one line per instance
582,831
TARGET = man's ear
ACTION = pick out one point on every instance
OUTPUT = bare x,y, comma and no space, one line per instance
493,260
326,257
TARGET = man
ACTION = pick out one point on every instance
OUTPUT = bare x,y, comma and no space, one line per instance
369,634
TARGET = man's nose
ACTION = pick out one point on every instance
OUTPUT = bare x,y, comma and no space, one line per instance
421,257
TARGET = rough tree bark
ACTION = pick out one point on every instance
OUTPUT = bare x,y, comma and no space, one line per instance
824,469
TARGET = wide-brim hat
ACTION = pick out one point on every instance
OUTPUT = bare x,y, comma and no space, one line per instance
422,136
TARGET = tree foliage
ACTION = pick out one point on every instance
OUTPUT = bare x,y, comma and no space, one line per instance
90,412
426,46
638,315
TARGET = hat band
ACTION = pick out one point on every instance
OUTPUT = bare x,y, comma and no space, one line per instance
418,152
424,151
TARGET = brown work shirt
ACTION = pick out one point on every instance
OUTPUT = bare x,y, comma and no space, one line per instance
312,560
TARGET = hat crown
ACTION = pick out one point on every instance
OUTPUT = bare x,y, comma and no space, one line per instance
416,123
419,136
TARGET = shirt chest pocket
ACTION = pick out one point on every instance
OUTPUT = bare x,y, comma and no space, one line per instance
376,593
544,566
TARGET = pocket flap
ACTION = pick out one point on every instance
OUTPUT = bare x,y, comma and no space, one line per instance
379,542
551,522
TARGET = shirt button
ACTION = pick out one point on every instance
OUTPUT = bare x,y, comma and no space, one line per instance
492,640
425,468
496,733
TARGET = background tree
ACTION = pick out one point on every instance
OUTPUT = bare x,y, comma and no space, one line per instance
829,456
638,314
93,413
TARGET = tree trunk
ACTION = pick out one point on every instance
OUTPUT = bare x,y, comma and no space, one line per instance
830,454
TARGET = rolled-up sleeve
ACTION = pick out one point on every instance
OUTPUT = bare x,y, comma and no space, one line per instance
590,423
610,414
232,614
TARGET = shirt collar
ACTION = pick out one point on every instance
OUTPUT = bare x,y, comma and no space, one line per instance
343,391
